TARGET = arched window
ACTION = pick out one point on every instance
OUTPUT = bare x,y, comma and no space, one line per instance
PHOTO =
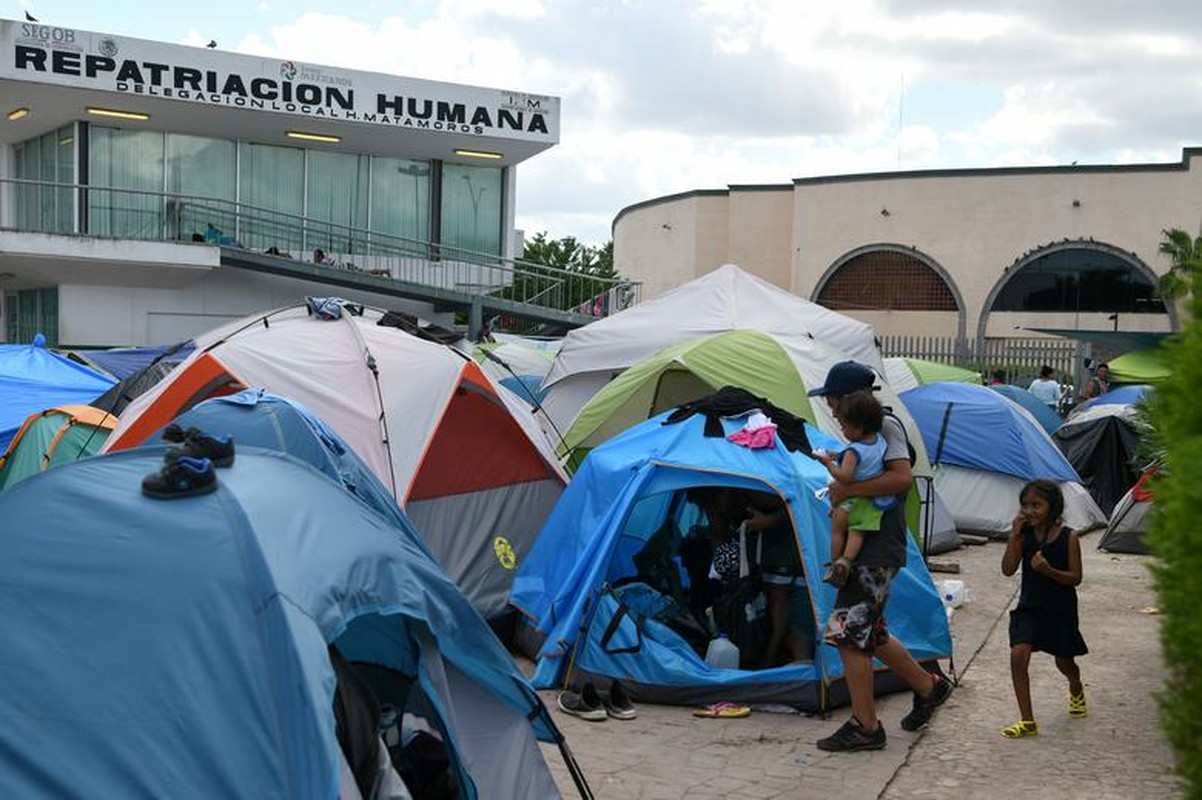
887,280
1079,279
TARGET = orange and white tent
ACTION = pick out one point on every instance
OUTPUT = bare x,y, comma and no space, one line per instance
463,457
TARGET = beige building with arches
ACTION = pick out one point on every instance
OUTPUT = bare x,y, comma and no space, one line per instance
966,254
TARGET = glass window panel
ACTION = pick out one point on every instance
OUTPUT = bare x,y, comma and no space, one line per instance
27,304
400,204
336,189
471,208
1079,280
10,318
29,196
47,159
271,197
204,172
47,171
47,300
131,164
64,206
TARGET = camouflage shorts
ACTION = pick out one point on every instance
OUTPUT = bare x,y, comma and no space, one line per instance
858,620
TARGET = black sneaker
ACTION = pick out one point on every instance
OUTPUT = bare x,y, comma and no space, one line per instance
586,704
617,702
182,476
198,444
924,707
852,737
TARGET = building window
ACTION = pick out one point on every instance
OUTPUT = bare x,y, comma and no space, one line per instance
887,280
271,184
125,174
49,158
30,312
1079,279
470,217
400,204
336,186
202,184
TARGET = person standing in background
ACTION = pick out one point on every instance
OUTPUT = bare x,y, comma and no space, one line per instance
1045,388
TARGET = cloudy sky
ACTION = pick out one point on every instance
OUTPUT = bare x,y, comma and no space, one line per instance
664,96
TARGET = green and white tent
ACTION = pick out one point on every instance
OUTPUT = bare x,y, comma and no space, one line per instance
52,437
1149,365
781,369
905,373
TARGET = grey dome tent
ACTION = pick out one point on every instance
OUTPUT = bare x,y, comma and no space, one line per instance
1100,442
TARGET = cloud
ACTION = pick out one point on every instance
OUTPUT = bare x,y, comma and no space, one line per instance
671,96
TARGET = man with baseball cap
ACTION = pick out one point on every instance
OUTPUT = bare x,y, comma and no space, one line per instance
857,624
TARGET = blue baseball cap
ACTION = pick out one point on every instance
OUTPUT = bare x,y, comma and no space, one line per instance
844,378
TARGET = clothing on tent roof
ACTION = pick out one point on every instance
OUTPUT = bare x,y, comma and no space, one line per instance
410,324
759,432
410,409
731,401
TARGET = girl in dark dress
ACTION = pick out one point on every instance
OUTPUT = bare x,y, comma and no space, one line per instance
1046,616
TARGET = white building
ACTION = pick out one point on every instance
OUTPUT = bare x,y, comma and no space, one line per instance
968,254
141,184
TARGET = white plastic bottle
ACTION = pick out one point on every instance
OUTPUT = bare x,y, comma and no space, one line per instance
954,593
722,653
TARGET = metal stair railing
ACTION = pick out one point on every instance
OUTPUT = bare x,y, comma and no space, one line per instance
110,212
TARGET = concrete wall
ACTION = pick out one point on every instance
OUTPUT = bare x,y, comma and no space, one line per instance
99,316
974,224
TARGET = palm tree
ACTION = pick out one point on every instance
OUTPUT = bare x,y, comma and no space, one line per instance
1185,252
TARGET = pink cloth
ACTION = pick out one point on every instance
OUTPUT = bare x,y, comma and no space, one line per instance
754,438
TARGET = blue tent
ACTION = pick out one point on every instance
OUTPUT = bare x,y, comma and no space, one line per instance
122,362
621,495
975,427
179,648
1048,419
33,379
1122,396
258,418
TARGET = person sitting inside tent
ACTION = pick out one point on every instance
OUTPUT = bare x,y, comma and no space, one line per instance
710,551
780,572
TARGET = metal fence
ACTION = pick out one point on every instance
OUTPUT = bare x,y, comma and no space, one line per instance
1019,358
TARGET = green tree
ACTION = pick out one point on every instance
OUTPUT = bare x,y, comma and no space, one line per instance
594,267
1176,537
1185,254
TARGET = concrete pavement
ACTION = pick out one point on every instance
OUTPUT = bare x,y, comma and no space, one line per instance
1116,752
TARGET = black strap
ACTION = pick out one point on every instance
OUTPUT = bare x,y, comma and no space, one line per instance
612,628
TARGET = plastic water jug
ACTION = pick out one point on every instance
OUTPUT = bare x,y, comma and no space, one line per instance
722,653
954,593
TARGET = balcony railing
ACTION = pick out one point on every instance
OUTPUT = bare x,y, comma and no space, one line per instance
105,212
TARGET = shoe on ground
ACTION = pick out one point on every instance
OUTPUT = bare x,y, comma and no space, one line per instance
924,707
181,476
1024,727
1077,707
585,704
198,444
617,703
853,737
